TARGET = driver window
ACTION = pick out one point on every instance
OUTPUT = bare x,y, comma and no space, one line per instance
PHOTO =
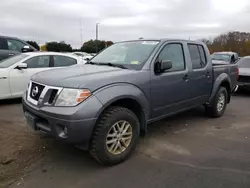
15,45
174,53
38,62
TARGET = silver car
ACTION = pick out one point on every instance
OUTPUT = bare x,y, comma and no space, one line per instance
244,73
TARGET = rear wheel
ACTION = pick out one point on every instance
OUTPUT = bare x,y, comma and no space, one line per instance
218,104
115,136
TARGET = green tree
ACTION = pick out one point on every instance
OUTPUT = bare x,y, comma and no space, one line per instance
58,47
34,44
93,46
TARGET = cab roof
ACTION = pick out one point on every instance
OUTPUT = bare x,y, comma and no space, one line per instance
164,40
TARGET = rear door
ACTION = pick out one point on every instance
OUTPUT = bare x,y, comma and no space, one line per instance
19,79
201,76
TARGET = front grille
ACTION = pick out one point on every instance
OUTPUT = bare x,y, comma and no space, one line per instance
40,94
52,96
244,79
35,91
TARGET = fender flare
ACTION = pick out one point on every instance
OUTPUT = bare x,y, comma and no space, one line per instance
112,93
220,80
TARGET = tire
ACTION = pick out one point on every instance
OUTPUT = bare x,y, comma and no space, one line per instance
214,110
103,152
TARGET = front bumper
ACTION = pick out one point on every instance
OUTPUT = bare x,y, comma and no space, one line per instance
70,124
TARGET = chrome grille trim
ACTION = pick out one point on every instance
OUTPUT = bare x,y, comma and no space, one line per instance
41,98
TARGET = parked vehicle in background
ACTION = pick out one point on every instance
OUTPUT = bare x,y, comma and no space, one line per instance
85,56
227,57
103,105
10,46
16,71
82,54
244,73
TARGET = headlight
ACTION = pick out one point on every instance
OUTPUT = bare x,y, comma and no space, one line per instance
72,97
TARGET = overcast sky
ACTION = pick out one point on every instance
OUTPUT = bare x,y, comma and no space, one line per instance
57,20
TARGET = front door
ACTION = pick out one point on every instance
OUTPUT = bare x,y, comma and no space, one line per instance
19,79
170,89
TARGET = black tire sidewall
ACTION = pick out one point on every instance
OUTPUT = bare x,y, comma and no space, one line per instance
215,110
101,148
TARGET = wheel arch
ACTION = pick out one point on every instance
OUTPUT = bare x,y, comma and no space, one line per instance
222,80
127,96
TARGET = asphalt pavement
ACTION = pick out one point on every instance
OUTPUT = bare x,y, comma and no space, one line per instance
188,150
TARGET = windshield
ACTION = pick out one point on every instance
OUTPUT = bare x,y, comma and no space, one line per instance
244,63
131,54
12,60
221,57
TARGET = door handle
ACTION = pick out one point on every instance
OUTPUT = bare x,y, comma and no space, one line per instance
185,78
11,54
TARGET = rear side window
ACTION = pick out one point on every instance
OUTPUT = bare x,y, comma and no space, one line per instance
63,61
203,55
198,56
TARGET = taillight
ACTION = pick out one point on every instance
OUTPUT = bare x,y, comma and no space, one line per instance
237,73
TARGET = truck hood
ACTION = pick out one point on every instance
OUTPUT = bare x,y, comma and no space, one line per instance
85,76
244,71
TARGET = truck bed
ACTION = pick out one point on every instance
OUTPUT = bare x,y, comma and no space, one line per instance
230,69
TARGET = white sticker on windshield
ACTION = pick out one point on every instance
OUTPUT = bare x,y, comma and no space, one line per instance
150,42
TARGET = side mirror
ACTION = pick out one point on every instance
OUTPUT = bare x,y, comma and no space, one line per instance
22,66
26,48
163,65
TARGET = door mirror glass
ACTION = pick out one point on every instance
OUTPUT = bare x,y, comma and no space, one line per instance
165,65
22,66
26,48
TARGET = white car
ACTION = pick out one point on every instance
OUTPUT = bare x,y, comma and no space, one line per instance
82,54
15,72
85,56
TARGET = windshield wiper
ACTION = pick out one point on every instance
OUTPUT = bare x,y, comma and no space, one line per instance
114,65
108,64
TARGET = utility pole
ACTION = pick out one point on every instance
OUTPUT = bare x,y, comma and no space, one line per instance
96,35
96,30
81,31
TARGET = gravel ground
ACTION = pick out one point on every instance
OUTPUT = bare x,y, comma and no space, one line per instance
186,150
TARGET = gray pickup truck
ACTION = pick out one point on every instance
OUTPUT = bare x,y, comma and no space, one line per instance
104,105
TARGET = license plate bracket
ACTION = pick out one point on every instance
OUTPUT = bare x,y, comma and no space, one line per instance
31,120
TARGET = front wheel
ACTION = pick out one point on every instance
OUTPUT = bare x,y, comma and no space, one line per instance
218,104
115,136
